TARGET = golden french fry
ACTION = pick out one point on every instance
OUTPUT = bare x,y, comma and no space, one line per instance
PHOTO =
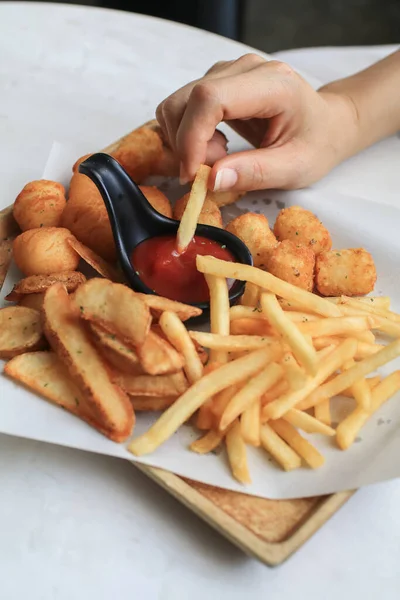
335,326
301,317
372,382
360,389
305,300
300,445
251,391
279,450
251,295
251,326
223,377
193,208
363,349
322,412
115,307
237,454
347,378
177,334
302,350
250,424
322,354
332,363
207,443
294,374
221,401
246,312
348,429
158,305
372,307
219,313
70,341
205,416
386,326
147,403
307,423
378,301
235,343
275,392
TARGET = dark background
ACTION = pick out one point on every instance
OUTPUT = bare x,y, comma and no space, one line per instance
272,25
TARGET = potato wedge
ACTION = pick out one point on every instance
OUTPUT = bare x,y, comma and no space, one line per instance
34,301
20,331
158,357
116,308
70,340
120,355
149,404
94,260
5,257
44,373
158,304
35,284
157,386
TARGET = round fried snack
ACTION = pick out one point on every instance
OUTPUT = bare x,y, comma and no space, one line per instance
44,251
139,152
293,263
254,231
39,204
20,331
209,215
34,301
349,272
302,227
157,199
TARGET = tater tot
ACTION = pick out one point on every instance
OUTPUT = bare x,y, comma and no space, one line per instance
139,153
157,199
44,251
210,213
254,231
302,227
349,272
39,204
292,263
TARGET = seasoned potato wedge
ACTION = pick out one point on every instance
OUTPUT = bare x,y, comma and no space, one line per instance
69,339
115,351
44,373
94,260
158,357
157,386
147,403
20,331
35,284
116,308
158,305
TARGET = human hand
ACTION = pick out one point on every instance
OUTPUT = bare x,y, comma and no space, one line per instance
300,134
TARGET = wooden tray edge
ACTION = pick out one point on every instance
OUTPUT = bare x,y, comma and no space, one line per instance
271,554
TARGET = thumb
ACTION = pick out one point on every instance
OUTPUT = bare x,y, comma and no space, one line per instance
264,168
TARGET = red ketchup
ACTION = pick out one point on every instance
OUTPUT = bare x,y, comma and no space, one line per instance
175,275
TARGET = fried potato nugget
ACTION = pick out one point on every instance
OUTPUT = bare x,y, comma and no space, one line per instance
254,231
85,214
139,152
224,198
157,199
44,251
292,263
302,227
209,215
39,204
349,272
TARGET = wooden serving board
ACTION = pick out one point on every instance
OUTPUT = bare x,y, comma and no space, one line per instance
269,530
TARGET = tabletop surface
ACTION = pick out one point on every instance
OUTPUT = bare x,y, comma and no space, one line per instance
82,526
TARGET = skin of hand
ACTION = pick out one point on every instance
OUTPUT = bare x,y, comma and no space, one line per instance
299,133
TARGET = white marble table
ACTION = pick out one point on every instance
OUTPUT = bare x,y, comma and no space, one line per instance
75,525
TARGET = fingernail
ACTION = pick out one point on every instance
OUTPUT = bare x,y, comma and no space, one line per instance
225,180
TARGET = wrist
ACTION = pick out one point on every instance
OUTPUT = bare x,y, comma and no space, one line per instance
343,124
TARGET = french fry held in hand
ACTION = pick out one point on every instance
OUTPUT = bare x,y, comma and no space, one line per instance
193,208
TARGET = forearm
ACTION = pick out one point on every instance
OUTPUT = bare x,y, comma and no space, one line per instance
374,97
